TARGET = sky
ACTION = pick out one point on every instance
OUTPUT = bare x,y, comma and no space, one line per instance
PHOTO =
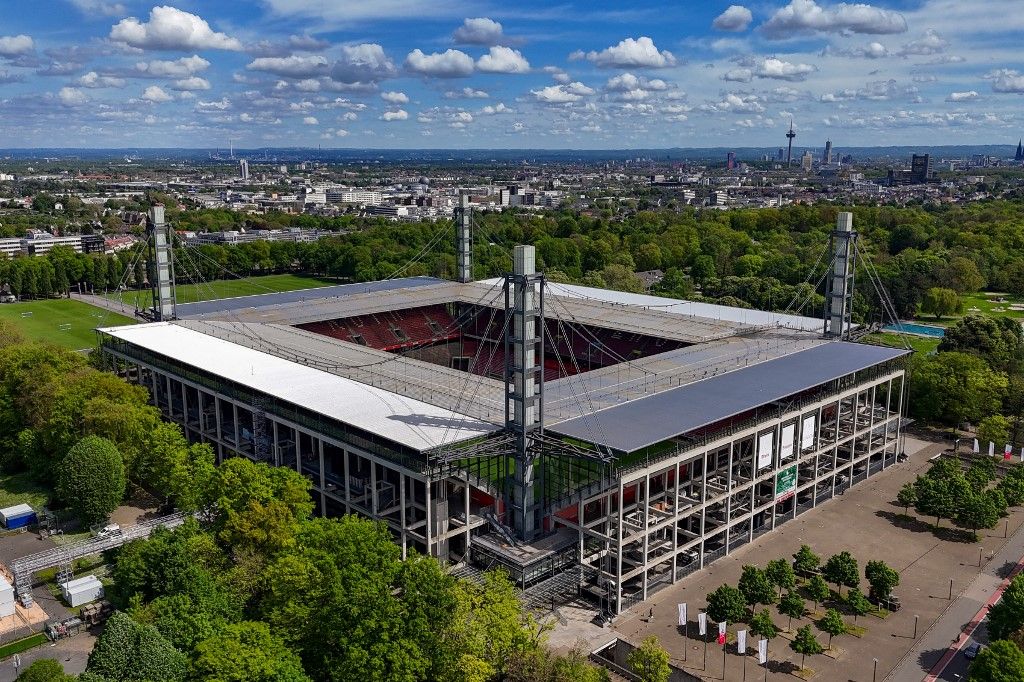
592,74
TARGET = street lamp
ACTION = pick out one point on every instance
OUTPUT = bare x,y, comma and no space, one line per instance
874,671
915,627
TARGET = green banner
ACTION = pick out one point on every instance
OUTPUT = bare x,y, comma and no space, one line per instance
785,482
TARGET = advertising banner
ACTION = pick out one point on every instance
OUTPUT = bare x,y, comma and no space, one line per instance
764,450
786,442
785,483
807,433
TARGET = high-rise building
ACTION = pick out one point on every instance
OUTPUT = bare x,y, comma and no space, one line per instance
1020,151
789,152
243,168
730,160
920,168
828,152
782,154
807,160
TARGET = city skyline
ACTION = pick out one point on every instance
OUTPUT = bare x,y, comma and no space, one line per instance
453,74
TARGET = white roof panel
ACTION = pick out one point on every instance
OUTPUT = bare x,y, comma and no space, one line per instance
403,420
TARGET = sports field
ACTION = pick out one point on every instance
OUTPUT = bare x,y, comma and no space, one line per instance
62,321
226,288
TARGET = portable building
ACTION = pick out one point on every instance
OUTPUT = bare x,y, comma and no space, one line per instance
18,516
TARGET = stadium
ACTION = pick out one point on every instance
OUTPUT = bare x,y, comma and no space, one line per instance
590,442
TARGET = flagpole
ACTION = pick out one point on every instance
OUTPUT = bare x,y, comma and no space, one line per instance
744,668
766,662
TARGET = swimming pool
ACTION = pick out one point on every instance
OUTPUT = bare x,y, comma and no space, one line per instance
919,329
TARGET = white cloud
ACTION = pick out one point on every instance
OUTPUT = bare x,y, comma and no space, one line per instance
245,117
968,96
740,75
503,60
462,117
398,115
72,97
930,43
736,103
217,105
170,28
873,91
178,68
95,80
736,18
192,83
466,93
395,97
1006,80
308,85
15,46
498,108
781,70
156,94
292,66
874,50
310,121
807,16
630,53
626,82
93,7
447,64
363,63
348,116
562,94
479,31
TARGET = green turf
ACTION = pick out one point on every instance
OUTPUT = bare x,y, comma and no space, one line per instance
19,488
62,321
22,645
987,303
226,288
920,344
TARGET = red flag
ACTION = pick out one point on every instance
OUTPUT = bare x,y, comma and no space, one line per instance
721,639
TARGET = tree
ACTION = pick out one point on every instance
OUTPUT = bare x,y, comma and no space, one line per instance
45,670
994,428
129,651
762,625
882,578
649,661
793,606
1001,661
999,341
977,511
1007,615
981,472
805,643
756,587
780,574
941,302
857,602
805,561
832,624
954,387
1012,486
842,569
246,652
726,605
907,496
91,479
935,497
818,590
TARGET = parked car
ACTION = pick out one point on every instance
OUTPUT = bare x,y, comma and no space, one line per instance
109,531
971,652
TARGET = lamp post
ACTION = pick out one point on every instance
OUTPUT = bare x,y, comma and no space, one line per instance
874,671
981,550
951,589
915,627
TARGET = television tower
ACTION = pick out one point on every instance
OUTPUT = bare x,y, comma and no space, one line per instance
789,152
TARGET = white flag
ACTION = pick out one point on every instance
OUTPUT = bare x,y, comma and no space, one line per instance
682,615
991,448
762,651
741,641
721,629
702,623
1008,450
977,449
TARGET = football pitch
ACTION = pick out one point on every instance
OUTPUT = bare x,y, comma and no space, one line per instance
61,321
224,288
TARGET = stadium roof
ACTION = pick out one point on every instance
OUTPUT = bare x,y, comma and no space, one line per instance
403,420
641,423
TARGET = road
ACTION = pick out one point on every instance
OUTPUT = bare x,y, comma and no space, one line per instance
938,654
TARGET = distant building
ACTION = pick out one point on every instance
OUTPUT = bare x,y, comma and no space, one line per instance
243,168
730,160
1020,151
920,168
828,152
807,160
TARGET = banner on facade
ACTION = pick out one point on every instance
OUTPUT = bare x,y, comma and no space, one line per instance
807,433
786,442
785,483
764,450
682,615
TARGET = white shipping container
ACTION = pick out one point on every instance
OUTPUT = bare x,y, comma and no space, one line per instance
6,610
82,590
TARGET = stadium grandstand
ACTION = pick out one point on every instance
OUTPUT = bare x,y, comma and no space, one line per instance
593,443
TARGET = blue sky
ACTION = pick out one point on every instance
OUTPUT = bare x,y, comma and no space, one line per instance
453,73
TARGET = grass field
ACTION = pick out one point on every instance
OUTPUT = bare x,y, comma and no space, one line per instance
920,344
19,488
987,304
226,288
62,321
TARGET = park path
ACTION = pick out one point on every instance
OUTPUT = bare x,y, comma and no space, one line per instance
105,303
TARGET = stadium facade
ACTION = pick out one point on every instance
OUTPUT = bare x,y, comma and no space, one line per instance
588,441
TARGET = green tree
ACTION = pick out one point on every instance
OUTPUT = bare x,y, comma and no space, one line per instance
805,643
129,651
842,569
1007,615
762,625
91,479
755,587
882,578
45,670
977,511
817,589
994,428
780,574
726,605
1001,661
246,652
1012,486
981,472
857,603
805,561
907,496
999,341
649,661
793,606
832,624
941,302
954,387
